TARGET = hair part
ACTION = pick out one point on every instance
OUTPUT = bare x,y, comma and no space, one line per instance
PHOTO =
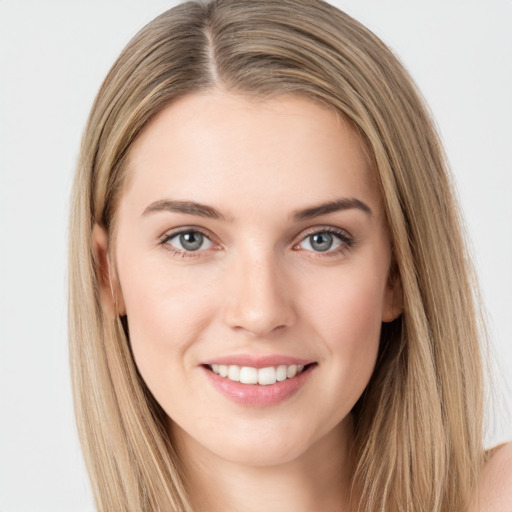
419,422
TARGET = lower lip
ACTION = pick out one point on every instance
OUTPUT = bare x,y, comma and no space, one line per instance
256,395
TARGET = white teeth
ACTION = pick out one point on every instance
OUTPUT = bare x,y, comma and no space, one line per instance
234,373
291,371
267,376
248,375
281,373
261,376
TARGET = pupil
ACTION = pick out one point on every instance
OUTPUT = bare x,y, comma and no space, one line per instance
321,241
191,241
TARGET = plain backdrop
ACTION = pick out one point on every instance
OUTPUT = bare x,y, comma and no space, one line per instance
53,57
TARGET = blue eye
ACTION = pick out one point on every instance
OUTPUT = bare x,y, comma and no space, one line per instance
189,241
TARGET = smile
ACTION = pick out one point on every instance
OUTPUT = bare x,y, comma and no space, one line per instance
259,385
261,376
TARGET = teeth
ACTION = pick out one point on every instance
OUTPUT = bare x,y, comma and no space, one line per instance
291,371
281,373
248,375
266,376
234,373
261,376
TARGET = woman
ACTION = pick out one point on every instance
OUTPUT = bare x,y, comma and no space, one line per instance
271,303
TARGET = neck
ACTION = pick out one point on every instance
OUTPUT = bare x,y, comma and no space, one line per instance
318,479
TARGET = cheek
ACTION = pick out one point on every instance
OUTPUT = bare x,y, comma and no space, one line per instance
348,320
350,313
166,314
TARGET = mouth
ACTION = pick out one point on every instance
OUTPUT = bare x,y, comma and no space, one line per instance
259,376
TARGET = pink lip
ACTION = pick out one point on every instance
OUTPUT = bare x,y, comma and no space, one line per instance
257,361
255,395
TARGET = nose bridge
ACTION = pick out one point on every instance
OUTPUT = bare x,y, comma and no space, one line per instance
258,299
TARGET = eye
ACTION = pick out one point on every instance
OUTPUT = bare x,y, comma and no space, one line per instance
327,241
188,241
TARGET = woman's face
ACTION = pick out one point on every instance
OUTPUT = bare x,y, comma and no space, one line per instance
251,240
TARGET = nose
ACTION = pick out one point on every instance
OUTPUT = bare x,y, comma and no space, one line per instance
258,297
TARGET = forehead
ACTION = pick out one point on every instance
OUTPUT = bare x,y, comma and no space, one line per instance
221,147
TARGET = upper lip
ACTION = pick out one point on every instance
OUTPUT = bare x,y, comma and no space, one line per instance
255,361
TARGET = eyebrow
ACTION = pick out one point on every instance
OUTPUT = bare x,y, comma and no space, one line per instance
187,207
203,210
345,203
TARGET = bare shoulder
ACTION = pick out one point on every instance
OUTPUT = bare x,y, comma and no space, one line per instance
495,488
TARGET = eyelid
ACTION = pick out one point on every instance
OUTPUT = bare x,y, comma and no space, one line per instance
185,229
172,233
342,233
346,238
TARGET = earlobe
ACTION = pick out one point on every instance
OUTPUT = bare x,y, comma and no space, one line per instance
108,285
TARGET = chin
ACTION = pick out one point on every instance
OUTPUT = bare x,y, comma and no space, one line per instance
263,453
265,442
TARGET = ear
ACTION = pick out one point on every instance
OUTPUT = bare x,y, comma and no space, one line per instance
108,284
393,296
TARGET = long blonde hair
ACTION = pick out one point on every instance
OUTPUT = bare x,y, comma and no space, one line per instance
418,424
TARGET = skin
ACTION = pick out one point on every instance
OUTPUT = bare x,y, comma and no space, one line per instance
494,494
258,286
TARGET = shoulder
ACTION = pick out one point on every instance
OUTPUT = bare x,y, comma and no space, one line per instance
494,493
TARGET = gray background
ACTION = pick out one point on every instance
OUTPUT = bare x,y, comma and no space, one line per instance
53,57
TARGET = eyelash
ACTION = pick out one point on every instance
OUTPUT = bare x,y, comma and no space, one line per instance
347,241
184,253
